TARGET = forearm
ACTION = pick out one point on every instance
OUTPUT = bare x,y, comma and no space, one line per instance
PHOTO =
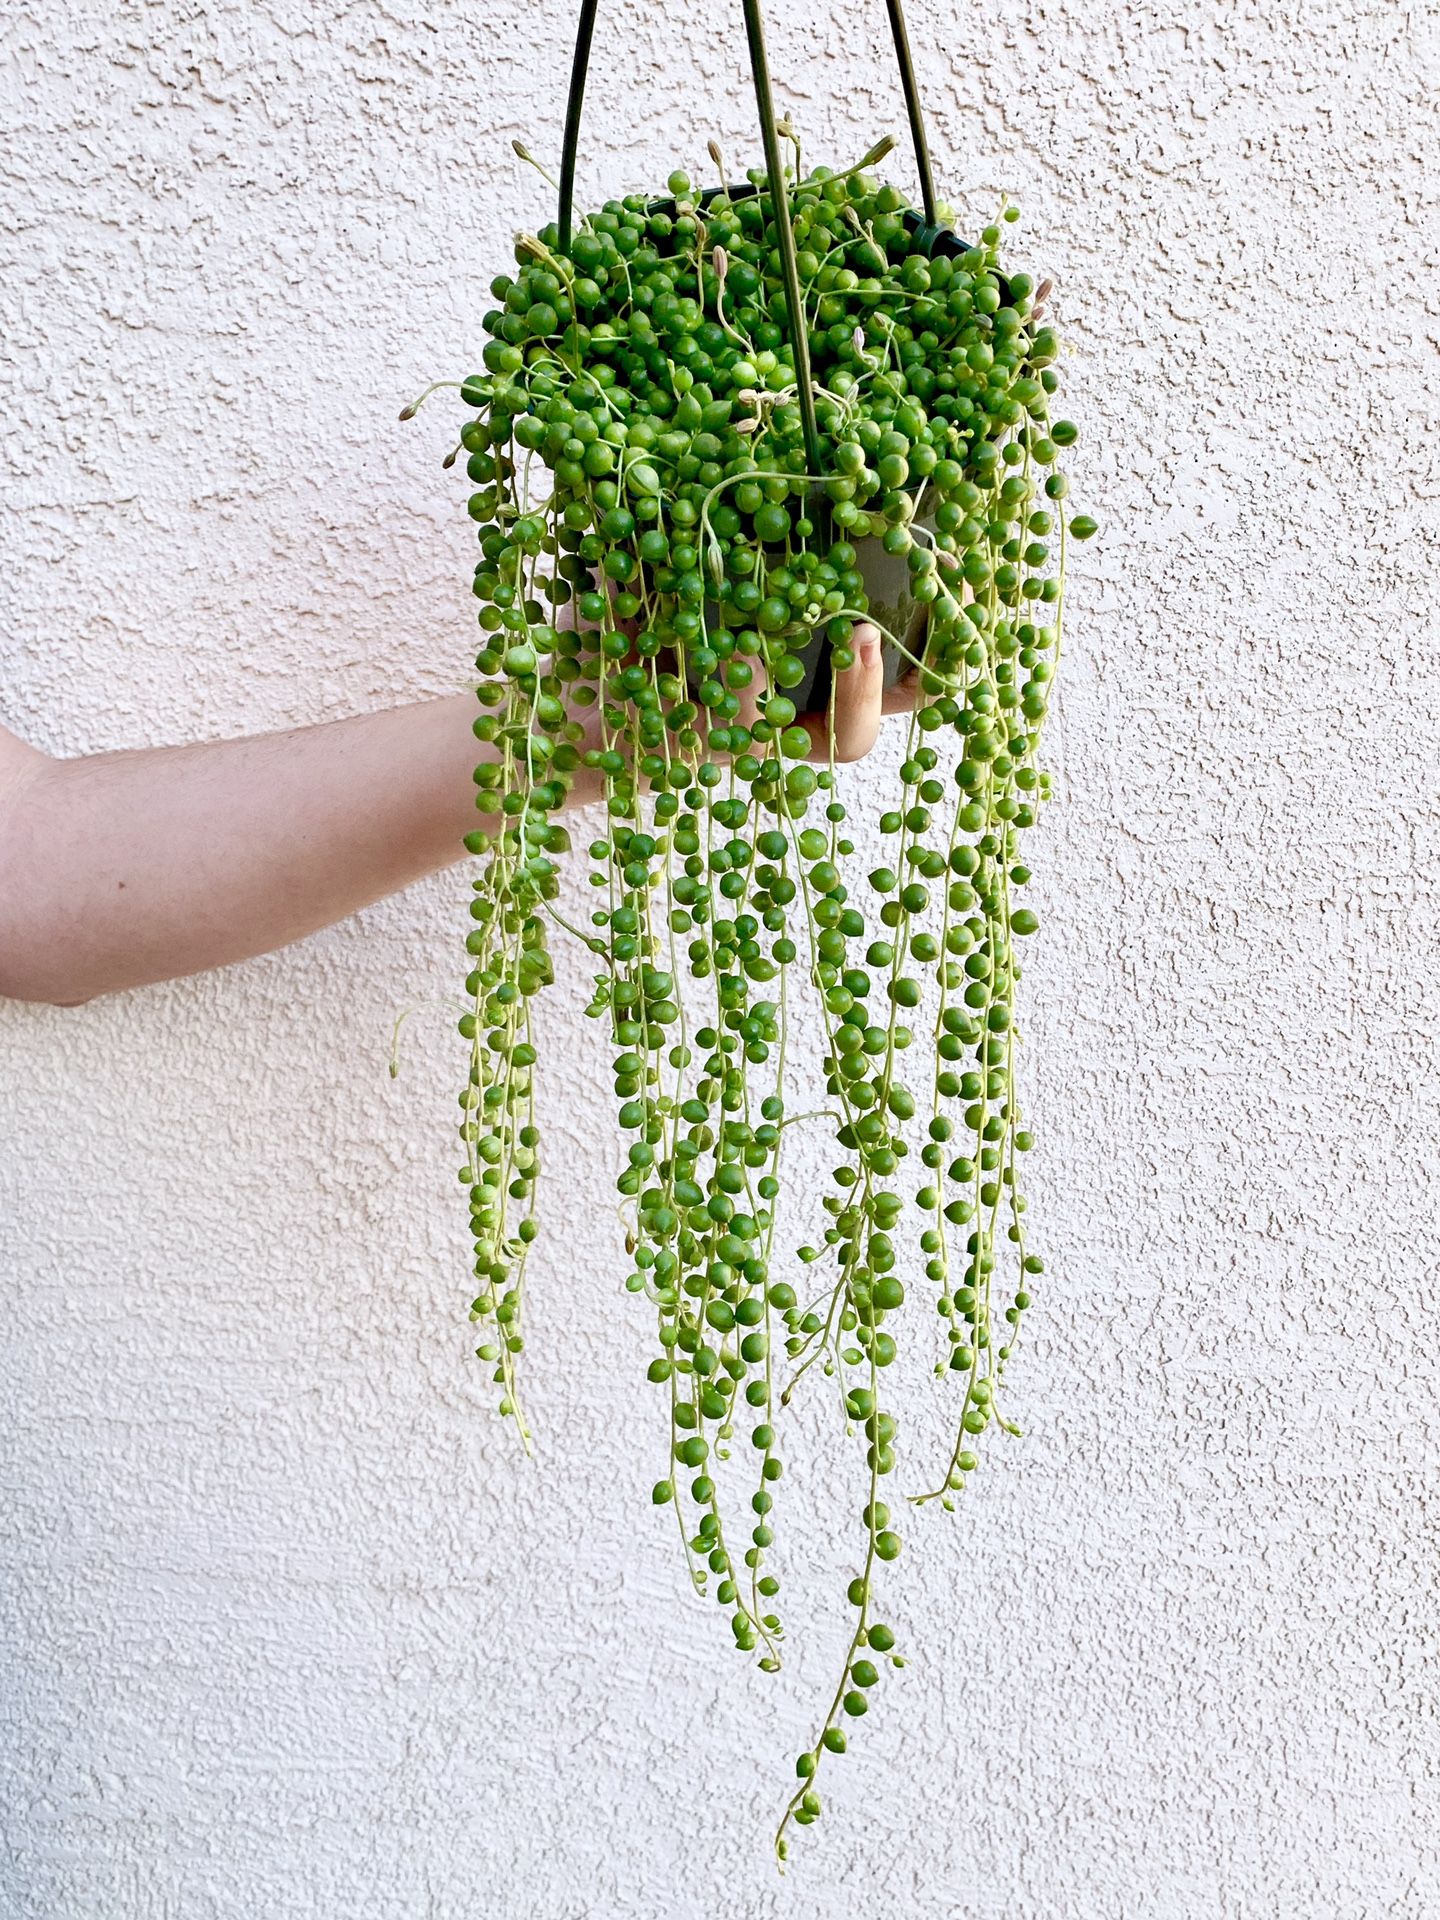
132,867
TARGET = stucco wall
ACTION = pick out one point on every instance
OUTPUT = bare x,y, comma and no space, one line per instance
287,1628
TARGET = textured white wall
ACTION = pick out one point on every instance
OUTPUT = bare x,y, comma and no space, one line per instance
287,1630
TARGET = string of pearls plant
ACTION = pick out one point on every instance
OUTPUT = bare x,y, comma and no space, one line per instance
638,458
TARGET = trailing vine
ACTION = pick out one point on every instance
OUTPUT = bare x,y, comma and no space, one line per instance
665,580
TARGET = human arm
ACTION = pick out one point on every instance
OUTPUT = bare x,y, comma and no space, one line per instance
119,869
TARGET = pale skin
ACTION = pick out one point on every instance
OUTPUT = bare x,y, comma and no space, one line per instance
120,869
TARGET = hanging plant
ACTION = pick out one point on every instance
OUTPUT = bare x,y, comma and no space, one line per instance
714,431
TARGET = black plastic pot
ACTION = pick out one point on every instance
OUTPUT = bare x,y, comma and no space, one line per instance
892,605
895,611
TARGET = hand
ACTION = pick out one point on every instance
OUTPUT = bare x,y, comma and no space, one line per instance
861,698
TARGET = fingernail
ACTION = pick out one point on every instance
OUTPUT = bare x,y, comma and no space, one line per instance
870,649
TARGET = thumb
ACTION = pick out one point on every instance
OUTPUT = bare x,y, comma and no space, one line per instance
856,698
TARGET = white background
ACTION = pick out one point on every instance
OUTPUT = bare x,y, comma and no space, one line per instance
287,1627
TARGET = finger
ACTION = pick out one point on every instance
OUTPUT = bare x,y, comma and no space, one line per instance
751,696
901,697
856,697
